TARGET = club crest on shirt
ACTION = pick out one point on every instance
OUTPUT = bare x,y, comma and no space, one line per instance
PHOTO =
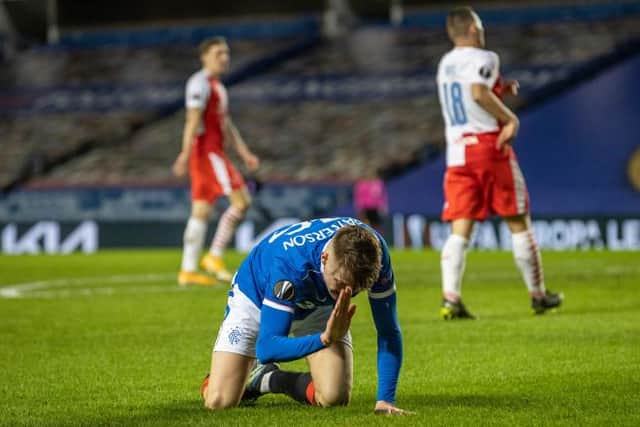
284,290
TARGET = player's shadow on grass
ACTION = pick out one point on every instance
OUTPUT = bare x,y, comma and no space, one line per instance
466,401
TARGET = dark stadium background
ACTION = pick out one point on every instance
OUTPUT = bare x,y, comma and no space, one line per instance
90,121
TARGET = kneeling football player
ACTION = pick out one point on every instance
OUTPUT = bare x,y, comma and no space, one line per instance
291,298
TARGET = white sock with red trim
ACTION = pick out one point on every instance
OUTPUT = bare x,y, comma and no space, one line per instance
226,226
452,261
193,240
529,261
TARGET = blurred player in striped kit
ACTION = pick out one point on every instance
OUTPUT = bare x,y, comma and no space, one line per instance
208,129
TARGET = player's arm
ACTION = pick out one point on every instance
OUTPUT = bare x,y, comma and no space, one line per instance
482,93
274,344
196,96
385,317
252,162
492,104
192,123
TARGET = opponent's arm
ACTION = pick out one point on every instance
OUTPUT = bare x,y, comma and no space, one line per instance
483,95
191,125
252,162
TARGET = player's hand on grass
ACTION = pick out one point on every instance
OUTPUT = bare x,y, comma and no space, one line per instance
340,319
507,135
180,165
386,408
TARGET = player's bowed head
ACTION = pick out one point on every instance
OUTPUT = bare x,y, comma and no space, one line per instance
351,259
351,262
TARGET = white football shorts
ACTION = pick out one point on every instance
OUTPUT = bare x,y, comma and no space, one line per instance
239,330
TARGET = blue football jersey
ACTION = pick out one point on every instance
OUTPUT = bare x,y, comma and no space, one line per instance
284,270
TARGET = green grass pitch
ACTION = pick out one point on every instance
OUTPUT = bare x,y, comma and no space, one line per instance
109,339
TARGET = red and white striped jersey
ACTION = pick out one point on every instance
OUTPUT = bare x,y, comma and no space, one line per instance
208,94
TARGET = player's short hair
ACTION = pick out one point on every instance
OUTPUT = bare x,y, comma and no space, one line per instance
206,44
358,253
458,21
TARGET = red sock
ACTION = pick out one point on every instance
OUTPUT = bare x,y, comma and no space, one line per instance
203,387
311,394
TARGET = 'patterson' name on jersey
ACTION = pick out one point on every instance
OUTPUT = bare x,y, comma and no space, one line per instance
297,240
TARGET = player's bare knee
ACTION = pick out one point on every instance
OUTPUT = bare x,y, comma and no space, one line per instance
336,397
199,215
517,223
201,210
217,401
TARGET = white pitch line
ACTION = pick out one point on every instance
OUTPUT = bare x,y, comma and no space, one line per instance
64,293
40,289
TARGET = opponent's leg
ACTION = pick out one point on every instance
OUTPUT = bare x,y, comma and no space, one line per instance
452,263
527,257
212,262
194,235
